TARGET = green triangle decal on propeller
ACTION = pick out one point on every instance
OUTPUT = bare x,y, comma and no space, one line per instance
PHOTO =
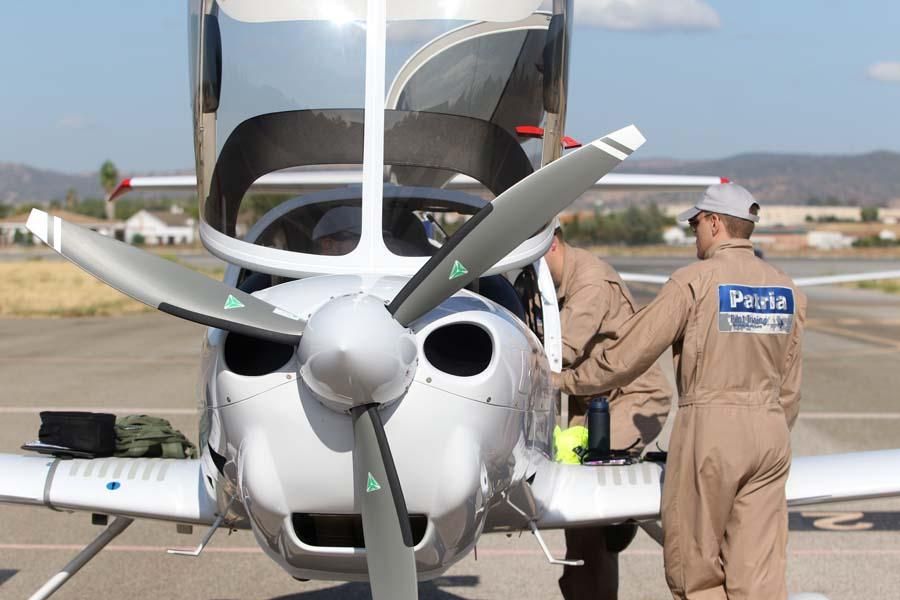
233,302
372,485
458,270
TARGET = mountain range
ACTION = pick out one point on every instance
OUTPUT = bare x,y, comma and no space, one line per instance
863,179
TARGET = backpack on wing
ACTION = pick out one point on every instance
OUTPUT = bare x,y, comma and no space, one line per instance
151,437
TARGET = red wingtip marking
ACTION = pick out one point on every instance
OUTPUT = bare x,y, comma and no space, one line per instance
530,131
724,180
569,143
120,190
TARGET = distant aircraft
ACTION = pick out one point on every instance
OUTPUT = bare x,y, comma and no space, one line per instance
375,392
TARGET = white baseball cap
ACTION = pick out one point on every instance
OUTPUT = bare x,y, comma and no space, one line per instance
725,199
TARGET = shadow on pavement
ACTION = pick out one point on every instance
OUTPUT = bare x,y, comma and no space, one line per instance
428,590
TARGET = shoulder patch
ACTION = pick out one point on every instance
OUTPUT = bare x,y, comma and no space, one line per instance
752,309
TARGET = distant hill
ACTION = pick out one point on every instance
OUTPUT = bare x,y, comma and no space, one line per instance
21,184
862,179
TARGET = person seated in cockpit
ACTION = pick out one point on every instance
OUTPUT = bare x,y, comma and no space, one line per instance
337,232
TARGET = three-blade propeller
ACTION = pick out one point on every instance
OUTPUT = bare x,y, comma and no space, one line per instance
487,236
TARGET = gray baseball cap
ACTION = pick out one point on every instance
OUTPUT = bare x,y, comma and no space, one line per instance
725,199
342,219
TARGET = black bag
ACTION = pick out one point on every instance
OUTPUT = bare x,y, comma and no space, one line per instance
94,433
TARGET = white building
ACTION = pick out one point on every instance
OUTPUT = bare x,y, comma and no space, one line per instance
774,215
161,228
16,223
828,240
675,236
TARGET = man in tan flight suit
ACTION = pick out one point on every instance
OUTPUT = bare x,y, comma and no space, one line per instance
734,323
593,301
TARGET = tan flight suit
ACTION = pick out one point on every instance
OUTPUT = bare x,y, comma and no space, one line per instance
593,303
734,323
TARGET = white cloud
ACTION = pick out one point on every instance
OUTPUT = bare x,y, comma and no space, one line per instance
884,71
647,15
73,122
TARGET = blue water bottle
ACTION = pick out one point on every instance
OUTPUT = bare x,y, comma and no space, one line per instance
598,427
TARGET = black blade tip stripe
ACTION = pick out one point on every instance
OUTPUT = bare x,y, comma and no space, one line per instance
241,328
390,471
617,145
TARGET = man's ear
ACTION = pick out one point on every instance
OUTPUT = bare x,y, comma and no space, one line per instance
554,245
715,223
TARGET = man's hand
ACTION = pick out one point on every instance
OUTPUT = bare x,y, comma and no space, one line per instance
556,379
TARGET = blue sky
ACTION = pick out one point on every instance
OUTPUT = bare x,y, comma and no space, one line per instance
701,78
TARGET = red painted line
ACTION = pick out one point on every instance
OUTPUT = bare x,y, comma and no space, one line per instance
161,549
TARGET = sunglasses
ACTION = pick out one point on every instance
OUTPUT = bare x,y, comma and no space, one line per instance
695,221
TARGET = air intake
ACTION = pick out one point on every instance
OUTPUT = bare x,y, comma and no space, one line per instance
461,349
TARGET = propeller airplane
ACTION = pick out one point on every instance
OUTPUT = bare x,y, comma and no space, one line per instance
351,331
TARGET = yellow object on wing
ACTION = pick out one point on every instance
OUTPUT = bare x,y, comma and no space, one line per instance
566,440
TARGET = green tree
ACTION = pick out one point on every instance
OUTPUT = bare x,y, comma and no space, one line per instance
92,207
869,214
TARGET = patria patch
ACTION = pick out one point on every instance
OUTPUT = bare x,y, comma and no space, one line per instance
750,309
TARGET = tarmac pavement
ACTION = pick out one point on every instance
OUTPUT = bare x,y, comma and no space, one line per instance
148,363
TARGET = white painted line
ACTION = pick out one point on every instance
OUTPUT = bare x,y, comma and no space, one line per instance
847,416
33,410
96,360
57,234
499,552
609,150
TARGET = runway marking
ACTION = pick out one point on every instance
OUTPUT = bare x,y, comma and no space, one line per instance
33,410
813,325
843,355
847,416
495,552
96,360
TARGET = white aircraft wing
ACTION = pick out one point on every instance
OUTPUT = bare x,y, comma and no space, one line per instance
846,278
643,278
144,488
569,495
800,281
304,181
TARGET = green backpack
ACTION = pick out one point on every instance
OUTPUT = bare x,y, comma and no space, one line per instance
141,435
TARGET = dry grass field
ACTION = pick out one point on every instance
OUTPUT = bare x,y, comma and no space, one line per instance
37,288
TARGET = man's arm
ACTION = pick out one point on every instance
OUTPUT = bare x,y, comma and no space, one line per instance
790,385
640,341
580,318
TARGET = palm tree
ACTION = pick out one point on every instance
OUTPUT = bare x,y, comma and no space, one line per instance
109,178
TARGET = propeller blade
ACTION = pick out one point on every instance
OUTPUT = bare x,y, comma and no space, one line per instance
389,541
512,217
165,285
